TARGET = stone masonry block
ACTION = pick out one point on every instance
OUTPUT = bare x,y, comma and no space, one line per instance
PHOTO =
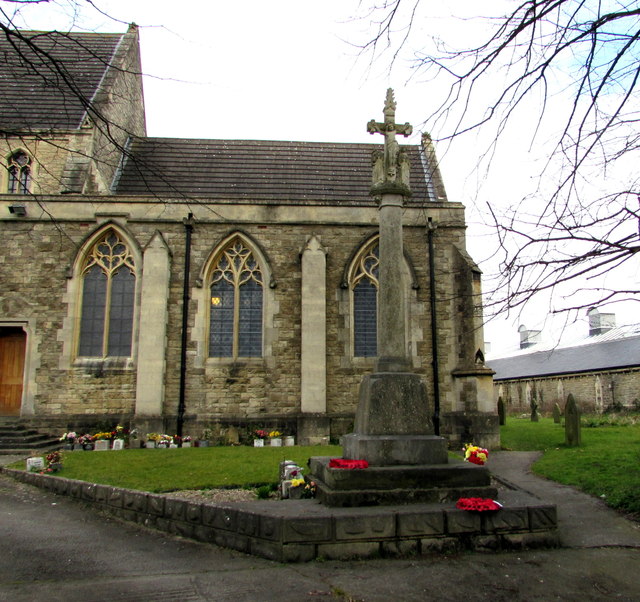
115,497
62,487
266,549
347,551
400,548
271,527
175,509
505,519
88,492
234,541
177,527
307,529
542,517
298,552
205,534
440,545
486,543
248,523
193,512
372,526
134,501
75,489
220,517
155,504
459,521
421,523
102,494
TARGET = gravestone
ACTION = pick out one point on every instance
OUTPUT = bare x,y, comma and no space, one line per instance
534,410
36,463
557,413
502,416
572,434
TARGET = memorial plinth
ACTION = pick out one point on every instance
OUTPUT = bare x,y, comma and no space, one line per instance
393,426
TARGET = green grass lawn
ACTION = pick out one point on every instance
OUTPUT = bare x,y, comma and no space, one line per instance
161,470
607,464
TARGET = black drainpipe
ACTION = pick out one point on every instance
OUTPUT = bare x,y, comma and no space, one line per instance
188,228
431,228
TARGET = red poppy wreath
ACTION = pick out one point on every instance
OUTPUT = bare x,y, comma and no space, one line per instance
477,504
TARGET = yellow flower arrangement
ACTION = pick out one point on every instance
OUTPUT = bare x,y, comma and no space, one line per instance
475,454
274,434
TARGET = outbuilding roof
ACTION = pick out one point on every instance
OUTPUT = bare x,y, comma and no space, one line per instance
259,170
47,79
603,355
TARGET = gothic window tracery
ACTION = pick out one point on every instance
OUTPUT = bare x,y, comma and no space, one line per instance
19,169
365,303
236,310
108,299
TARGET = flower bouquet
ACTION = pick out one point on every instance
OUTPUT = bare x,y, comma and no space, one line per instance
302,489
164,441
69,439
53,462
260,436
86,441
475,454
275,439
152,439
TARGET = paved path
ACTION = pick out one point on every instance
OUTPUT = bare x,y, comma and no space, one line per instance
57,549
584,521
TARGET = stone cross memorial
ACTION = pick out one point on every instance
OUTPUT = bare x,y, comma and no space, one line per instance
393,428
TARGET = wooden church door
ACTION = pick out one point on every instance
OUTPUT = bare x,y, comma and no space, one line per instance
12,349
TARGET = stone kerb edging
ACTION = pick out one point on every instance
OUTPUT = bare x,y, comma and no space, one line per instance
301,530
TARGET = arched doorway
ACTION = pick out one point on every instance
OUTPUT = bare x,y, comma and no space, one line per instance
13,342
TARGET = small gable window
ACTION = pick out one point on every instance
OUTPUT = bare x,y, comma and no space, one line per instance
108,294
19,168
235,315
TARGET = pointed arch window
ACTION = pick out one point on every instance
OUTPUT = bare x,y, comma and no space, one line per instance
236,312
365,303
19,173
108,299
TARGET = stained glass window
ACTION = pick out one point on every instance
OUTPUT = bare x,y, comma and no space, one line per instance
235,320
108,293
365,304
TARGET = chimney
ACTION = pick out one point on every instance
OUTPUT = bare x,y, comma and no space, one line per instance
528,338
600,323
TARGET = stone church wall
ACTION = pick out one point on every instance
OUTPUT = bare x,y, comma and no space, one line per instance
36,284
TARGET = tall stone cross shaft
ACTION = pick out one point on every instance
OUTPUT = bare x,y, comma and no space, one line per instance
391,184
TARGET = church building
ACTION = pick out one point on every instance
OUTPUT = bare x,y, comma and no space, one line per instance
181,284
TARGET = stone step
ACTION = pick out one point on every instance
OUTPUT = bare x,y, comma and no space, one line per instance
384,485
20,439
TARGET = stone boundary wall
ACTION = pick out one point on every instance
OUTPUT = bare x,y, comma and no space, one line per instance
303,530
619,389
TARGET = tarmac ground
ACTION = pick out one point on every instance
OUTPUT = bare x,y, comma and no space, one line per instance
54,548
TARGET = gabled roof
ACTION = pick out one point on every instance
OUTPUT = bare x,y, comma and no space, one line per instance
258,170
602,355
48,78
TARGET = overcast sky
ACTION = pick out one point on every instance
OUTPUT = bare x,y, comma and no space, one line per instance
291,70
